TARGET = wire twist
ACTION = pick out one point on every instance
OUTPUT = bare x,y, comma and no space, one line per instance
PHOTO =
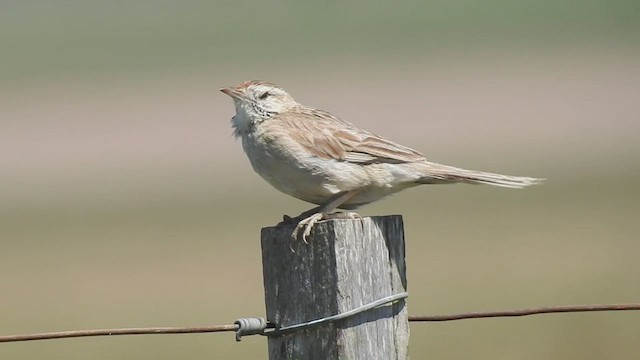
250,326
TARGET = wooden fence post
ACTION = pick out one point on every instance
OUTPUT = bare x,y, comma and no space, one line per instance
346,264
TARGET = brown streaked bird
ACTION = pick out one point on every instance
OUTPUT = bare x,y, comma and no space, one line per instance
317,157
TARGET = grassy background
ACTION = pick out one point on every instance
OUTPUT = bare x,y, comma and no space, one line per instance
126,202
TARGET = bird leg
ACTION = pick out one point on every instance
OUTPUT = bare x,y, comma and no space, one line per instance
309,218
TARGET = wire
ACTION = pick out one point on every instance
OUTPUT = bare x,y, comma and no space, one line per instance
126,331
344,315
525,312
221,328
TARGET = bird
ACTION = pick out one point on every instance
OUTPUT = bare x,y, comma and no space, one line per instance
319,158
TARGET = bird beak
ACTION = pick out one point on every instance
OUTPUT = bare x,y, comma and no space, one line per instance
233,93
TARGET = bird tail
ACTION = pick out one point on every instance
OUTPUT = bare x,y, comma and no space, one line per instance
443,174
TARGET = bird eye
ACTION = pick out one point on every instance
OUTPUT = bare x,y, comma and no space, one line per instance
264,95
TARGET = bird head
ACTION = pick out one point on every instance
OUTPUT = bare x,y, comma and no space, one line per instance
259,100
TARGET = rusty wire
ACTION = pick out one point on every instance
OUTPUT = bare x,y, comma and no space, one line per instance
526,312
234,327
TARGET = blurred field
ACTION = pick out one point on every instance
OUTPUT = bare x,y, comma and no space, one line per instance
124,200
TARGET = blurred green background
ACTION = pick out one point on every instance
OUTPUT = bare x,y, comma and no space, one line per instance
125,201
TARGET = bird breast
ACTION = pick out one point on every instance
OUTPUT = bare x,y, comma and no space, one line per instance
293,170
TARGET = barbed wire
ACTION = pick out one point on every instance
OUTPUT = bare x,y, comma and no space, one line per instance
235,327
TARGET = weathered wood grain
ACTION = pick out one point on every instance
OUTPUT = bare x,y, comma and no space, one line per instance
347,263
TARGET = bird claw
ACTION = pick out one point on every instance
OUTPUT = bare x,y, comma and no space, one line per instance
344,215
305,225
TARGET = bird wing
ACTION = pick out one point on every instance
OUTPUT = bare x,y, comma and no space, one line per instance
329,137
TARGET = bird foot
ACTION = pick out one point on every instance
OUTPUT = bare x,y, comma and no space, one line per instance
343,215
306,225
